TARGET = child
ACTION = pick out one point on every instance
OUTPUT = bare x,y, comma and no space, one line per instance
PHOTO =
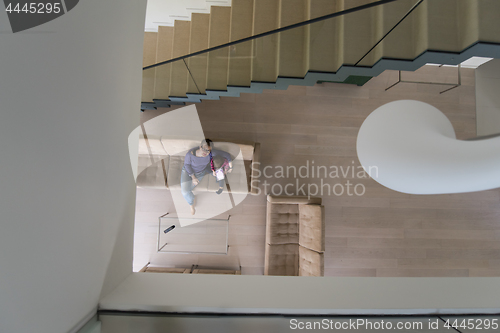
220,167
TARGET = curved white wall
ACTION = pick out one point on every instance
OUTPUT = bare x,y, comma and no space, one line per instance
414,148
69,96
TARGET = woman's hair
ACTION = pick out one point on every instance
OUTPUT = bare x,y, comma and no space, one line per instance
207,142
218,161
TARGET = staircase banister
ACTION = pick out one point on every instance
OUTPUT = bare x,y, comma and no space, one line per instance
288,27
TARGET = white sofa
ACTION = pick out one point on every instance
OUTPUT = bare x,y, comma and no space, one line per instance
161,160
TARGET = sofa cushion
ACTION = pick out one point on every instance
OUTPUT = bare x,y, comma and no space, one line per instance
152,171
311,263
151,145
213,185
174,175
281,260
312,227
178,147
174,172
282,224
237,179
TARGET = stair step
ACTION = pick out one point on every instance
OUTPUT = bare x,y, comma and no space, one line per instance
163,53
325,37
293,51
468,20
265,49
179,73
240,55
148,58
442,23
198,40
410,38
361,31
489,23
218,59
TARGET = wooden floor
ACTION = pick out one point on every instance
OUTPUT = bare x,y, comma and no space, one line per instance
380,233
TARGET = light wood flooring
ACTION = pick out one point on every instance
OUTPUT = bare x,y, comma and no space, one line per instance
381,233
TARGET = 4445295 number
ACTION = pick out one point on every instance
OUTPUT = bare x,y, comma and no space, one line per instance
35,8
472,324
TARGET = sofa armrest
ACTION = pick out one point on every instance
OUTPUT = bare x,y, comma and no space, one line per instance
255,166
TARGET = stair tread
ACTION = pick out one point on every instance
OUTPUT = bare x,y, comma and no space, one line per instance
148,58
489,22
362,30
325,37
218,60
409,39
198,40
293,43
163,53
442,25
179,73
240,55
265,49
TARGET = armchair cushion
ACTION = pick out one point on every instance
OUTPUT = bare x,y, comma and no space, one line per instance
312,227
311,263
282,225
282,260
174,172
152,171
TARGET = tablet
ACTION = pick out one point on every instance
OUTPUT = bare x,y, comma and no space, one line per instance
219,174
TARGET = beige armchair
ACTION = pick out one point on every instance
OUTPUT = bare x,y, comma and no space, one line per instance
295,236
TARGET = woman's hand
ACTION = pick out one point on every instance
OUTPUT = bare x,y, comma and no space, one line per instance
213,172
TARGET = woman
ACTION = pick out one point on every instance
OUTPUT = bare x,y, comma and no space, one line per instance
198,162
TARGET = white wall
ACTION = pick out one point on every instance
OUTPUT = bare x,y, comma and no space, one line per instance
303,295
69,97
488,98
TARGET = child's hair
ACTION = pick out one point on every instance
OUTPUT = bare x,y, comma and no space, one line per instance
218,161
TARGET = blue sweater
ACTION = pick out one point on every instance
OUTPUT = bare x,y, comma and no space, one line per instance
194,164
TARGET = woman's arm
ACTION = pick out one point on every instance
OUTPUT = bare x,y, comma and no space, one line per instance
187,163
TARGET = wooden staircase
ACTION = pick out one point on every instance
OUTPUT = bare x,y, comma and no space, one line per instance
448,31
